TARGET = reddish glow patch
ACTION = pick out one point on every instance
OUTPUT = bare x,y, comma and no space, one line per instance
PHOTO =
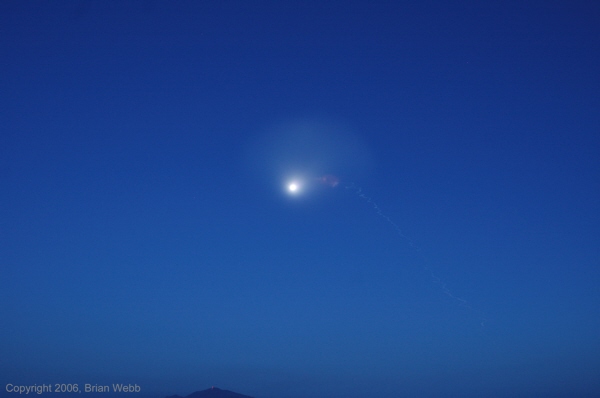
329,179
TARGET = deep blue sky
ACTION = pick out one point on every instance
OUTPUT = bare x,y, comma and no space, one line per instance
146,235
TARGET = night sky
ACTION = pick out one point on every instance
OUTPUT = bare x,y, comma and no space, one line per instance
444,240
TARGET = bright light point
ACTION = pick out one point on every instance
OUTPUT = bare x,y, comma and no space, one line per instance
294,186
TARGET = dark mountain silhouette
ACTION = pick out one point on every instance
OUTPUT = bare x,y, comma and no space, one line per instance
212,393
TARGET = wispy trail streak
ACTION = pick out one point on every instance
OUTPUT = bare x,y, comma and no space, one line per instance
361,195
435,279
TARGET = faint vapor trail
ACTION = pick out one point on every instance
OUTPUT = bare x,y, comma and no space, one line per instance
358,191
435,279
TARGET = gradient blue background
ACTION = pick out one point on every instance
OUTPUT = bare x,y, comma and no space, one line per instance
146,238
